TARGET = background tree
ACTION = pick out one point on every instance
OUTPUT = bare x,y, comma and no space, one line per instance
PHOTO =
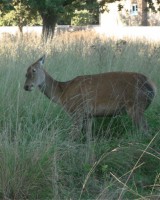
52,10
17,13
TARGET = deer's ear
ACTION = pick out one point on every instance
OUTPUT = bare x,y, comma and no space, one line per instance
41,60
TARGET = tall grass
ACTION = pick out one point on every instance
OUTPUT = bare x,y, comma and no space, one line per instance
39,156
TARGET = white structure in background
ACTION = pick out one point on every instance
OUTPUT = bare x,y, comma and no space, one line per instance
133,13
111,18
130,22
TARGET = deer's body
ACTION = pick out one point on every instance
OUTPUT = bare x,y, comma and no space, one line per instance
96,95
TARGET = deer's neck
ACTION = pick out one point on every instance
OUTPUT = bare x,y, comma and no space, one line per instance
51,88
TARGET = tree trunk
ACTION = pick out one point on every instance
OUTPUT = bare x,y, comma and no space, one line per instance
20,26
49,23
143,5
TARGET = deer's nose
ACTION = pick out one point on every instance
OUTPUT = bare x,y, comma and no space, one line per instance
26,87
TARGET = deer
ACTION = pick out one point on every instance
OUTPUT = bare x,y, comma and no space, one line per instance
97,95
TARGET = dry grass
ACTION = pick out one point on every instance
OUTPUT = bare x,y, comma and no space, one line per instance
39,158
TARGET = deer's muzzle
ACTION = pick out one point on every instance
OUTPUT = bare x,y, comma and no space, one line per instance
28,88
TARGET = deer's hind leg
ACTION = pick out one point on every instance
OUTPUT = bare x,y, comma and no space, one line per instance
82,127
136,112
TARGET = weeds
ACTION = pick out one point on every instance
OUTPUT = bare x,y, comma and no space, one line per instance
38,157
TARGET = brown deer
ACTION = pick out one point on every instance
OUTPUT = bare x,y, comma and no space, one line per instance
88,96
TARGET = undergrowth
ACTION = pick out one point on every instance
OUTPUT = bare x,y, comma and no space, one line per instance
39,158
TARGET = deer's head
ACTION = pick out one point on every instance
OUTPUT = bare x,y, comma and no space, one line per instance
35,76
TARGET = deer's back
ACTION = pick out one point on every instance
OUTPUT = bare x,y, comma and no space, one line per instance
107,93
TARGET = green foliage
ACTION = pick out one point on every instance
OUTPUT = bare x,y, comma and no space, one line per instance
82,18
39,155
8,19
13,19
19,15
24,12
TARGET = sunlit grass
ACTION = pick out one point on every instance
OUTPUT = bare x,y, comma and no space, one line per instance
39,158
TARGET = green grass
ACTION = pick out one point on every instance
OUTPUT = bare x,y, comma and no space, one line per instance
39,158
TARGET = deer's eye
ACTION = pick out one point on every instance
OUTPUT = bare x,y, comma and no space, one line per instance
34,70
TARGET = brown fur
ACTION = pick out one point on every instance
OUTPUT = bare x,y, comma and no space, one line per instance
96,95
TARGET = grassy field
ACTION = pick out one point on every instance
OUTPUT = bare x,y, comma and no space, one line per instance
39,158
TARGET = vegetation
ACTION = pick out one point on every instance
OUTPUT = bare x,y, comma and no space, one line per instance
20,17
82,18
16,13
41,155
52,11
